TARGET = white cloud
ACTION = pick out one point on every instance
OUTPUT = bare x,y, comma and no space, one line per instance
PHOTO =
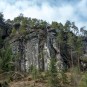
46,12
82,7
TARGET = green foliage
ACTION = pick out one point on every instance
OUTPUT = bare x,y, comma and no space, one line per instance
69,42
83,82
22,30
19,18
13,31
1,17
1,42
42,24
54,25
75,77
64,78
34,72
79,46
53,79
6,58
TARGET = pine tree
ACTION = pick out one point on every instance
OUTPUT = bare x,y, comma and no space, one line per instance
79,49
53,80
6,58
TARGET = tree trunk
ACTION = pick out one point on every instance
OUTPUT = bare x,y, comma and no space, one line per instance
71,59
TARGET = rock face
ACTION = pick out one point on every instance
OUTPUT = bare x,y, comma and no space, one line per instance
36,48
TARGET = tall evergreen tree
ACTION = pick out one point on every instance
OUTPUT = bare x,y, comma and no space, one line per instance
54,80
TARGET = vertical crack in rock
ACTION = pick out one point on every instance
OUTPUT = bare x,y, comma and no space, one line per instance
36,49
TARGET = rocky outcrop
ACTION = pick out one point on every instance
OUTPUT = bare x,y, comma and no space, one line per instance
36,48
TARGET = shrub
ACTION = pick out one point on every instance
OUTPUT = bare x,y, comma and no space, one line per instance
34,72
83,82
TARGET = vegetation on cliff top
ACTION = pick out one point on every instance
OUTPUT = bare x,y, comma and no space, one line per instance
70,39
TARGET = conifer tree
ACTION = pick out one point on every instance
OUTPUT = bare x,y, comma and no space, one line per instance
53,80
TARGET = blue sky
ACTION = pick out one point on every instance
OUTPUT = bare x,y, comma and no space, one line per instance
49,10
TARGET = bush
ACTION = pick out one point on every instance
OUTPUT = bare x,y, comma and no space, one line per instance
13,31
34,72
75,76
83,82
64,78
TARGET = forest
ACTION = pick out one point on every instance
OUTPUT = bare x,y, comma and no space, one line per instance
35,53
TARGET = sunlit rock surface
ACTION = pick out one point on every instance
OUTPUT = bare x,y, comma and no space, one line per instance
36,48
